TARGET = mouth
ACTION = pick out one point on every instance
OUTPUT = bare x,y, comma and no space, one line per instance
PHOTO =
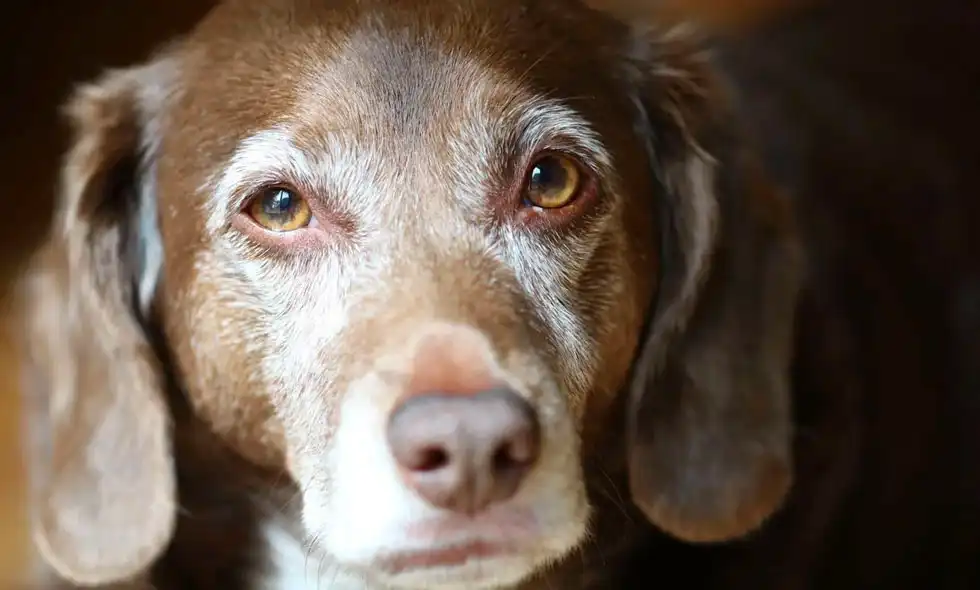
454,556
453,552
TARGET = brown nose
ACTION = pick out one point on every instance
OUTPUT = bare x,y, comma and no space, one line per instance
464,453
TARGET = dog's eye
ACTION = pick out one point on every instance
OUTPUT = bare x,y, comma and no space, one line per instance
280,210
553,182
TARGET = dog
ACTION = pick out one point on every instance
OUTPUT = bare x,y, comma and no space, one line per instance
376,294
404,257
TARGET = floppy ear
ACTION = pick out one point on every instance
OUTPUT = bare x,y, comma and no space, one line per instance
104,478
710,432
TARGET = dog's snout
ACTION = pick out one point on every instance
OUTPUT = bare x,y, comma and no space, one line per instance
464,453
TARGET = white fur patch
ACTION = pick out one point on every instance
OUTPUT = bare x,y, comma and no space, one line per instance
370,511
289,566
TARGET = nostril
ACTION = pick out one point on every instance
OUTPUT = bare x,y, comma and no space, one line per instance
504,460
431,459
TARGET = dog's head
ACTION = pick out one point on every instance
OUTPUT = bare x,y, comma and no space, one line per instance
411,252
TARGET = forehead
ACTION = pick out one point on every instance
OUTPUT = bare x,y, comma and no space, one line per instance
408,73
422,101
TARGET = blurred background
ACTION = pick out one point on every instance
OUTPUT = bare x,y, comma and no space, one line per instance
867,109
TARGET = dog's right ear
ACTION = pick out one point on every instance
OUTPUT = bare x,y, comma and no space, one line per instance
105,485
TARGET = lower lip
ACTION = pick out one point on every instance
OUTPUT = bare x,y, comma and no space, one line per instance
441,558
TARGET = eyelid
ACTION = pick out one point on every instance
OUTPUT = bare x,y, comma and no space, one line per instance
597,164
230,196
267,190
247,192
585,164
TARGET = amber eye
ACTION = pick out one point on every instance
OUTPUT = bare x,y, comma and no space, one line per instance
280,210
553,182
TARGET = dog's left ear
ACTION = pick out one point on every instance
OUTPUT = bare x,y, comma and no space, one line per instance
710,425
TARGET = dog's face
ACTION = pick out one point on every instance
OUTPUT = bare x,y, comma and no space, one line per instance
410,252
411,212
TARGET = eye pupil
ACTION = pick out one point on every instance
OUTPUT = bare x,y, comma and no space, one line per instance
280,209
278,202
546,175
